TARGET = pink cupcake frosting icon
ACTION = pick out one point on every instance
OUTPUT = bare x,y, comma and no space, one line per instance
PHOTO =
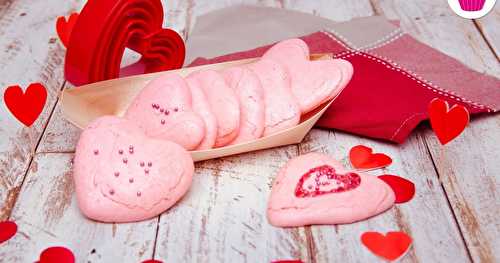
471,5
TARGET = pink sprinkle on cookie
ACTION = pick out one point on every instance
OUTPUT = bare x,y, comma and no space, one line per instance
132,177
163,109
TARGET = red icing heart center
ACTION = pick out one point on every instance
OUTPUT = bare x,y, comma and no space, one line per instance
325,180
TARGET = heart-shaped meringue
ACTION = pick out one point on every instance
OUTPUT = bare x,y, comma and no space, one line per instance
315,189
312,82
121,175
163,109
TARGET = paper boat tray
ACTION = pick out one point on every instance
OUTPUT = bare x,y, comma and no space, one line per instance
81,105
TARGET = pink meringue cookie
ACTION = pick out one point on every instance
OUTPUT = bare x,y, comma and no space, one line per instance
163,109
312,82
123,176
223,102
281,108
315,189
251,97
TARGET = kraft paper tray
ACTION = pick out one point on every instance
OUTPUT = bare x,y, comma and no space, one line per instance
81,105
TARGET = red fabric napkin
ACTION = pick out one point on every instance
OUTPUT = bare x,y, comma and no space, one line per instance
392,85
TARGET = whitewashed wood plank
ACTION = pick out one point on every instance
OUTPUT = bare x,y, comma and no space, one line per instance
47,215
467,167
427,218
30,53
223,217
490,27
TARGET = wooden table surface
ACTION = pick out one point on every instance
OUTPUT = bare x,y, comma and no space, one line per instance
453,217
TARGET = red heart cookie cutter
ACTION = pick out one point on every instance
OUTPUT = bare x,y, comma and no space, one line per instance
106,27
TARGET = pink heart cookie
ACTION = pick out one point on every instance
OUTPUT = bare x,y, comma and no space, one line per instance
312,82
315,189
123,176
281,109
223,102
202,108
251,97
163,109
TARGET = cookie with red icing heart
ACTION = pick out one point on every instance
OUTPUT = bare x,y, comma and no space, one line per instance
121,175
163,109
315,189
312,82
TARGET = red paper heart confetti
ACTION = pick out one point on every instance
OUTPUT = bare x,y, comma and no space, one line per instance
7,230
27,106
404,190
391,246
56,255
65,27
447,122
362,157
325,180
288,261
152,261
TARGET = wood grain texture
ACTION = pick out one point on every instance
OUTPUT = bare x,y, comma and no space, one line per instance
467,166
25,58
47,215
224,214
489,25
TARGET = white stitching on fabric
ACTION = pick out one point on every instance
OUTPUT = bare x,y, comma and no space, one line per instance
394,66
404,123
394,38
335,39
422,82
429,85
394,35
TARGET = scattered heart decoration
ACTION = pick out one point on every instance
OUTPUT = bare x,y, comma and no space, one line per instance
447,123
325,180
56,255
7,230
152,261
362,157
65,27
404,190
27,106
392,246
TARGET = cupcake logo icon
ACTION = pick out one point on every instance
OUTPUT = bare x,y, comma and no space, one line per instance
471,9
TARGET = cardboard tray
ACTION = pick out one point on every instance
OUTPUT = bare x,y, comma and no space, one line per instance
81,105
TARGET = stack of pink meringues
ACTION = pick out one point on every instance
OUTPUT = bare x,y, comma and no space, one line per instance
135,167
209,109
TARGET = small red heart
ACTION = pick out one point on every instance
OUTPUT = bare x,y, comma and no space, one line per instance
7,230
404,190
152,261
64,27
57,255
27,106
362,157
325,180
391,246
447,123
